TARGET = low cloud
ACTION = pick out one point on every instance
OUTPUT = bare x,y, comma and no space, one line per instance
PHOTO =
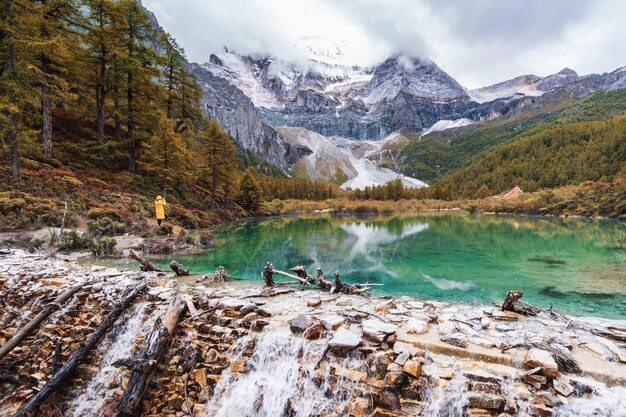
478,42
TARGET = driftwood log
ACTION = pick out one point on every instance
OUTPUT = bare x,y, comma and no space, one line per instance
153,351
509,301
146,265
178,269
58,379
302,277
39,318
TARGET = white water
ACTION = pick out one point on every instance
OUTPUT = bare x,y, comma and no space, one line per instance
447,400
605,402
91,399
281,368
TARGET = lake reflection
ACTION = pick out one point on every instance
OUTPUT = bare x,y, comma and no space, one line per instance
567,263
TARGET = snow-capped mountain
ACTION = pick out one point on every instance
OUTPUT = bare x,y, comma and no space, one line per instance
524,85
340,117
327,95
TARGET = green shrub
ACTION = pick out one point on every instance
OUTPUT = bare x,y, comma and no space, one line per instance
104,247
105,226
70,241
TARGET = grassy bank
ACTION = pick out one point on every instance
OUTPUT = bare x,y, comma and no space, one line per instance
589,199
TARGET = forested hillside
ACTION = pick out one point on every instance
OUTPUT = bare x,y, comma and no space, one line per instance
437,154
98,108
552,157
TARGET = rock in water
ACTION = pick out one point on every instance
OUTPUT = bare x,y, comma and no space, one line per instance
299,324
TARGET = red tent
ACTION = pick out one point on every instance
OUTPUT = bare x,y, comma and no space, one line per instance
514,192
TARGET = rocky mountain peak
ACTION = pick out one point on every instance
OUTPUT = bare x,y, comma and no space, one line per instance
567,71
412,75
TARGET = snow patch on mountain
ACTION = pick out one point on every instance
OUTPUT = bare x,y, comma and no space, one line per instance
368,174
332,158
447,124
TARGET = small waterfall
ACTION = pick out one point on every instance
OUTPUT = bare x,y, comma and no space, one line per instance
446,400
605,402
119,345
282,379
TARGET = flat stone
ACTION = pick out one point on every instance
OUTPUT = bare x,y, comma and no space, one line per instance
344,302
456,339
482,342
446,327
376,330
562,385
385,306
501,327
485,401
413,368
400,347
231,303
402,358
315,302
346,373
358,407
538,358
416,326
332,322
394,367
344,340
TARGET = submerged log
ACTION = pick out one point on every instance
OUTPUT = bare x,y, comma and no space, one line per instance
146,265
56,304
178,269
154,349
59,378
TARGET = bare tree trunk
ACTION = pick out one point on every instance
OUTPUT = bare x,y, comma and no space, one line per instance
178,269
79,355
10,69
39,318
155,348
46,120
145,264
509,301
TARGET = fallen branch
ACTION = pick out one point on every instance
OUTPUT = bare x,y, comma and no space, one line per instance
58,379
271,292
39,318
302,277
146,265
154,349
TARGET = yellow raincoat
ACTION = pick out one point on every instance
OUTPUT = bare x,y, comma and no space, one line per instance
159,206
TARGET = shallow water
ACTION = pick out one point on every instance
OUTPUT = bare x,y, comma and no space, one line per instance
565,263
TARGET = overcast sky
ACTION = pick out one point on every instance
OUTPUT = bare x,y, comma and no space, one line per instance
478,42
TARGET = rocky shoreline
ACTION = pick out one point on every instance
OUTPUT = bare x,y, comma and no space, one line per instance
300,353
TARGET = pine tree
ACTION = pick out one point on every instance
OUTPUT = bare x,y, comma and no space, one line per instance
138,60
52,49
166,157
218,162
250,197
16,81
102,39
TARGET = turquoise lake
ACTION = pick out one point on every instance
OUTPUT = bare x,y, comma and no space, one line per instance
569,264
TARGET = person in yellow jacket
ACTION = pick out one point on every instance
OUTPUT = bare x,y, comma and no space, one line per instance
159,206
